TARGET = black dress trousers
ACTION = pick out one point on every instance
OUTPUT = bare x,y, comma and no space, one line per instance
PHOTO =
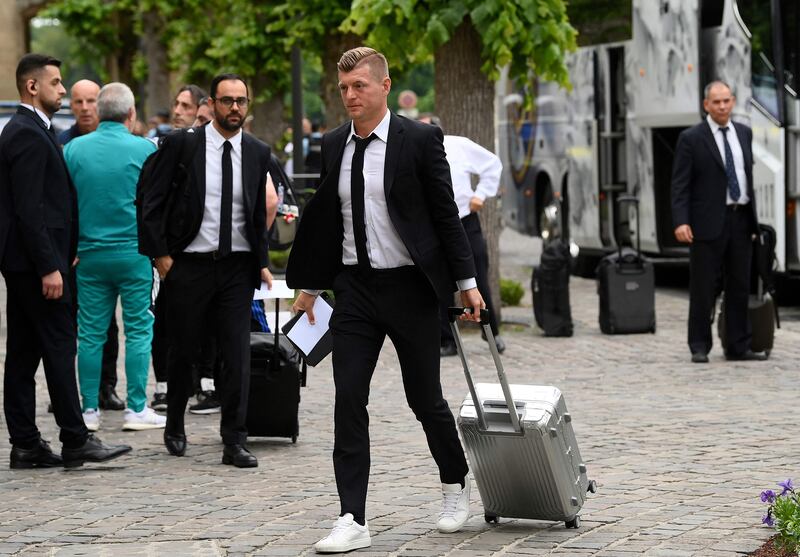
401,304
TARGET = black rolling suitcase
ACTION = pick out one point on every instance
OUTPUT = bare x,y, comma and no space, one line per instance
627,289
550,287
276,375
762,309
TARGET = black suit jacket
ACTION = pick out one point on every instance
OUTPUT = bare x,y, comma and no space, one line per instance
38,203
699,184
190,203
419,197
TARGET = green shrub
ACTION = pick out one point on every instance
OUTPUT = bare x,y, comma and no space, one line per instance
278,259
511,292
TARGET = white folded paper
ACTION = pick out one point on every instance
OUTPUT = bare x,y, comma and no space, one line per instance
278,290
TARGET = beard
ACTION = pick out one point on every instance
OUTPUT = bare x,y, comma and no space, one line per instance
51,107
229,125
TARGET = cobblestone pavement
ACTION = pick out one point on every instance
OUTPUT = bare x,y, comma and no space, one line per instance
680,453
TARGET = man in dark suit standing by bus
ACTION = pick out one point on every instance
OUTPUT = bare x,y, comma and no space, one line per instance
713,210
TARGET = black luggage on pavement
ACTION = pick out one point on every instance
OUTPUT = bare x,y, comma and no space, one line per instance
550,287
761,311
627,290
761,307
275,380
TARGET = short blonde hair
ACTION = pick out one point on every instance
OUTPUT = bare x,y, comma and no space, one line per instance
354,57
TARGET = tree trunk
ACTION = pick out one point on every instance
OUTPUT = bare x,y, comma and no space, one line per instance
268,121
335,45
157,93
465,104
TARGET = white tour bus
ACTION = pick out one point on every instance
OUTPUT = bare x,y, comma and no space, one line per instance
637,82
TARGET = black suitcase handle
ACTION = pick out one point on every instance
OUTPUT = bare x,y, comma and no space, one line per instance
454,312
632,200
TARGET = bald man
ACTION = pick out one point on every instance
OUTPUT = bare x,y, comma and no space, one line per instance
83,103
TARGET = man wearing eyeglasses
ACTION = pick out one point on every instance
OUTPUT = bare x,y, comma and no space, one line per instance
210,256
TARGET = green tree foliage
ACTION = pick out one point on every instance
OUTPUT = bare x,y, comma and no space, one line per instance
525,35
601,21
231,36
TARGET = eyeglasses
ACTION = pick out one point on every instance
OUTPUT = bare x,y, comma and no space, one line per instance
228,101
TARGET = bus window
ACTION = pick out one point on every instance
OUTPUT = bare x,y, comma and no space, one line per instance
790,18
601,21
756,15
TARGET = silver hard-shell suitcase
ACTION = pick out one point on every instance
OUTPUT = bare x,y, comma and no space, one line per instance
526,463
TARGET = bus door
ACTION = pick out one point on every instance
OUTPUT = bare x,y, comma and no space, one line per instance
610,113
771,27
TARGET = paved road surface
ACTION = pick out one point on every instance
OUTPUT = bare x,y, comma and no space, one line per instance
680,453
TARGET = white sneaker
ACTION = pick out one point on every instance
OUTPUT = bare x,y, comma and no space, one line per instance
455,507
91,417
347,535
146,419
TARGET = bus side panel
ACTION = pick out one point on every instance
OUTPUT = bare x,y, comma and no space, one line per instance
581,142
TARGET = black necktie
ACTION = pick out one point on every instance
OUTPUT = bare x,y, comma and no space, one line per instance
357,201
226,201
730,170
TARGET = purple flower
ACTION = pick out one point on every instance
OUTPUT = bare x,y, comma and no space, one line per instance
767,496
768,520
787,486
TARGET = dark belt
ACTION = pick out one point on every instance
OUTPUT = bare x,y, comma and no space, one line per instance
209,255
737,206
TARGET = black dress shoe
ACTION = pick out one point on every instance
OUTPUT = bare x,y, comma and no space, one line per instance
699,358
239,456
448,349
93,450
501,345
108,399
38,457
747,356
175,443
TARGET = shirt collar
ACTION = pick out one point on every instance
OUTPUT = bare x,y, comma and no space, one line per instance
217,140
110,125
381,130
41,114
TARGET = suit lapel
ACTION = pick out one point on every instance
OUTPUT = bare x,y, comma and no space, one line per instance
199,165
708,139
394,144
744,144
51,136
249,182
338,141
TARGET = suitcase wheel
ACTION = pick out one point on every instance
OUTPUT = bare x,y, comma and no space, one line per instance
489,518
574,523
294,438
592,487
767,352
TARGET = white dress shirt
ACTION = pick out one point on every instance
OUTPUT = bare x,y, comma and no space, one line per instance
384,246
467,158
207,239
41,114
738,159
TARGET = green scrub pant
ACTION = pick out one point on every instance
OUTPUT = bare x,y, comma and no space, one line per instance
102,276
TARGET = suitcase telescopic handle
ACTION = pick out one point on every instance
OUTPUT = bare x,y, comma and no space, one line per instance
631,200
452,314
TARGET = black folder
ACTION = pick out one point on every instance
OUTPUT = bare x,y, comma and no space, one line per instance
322,348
